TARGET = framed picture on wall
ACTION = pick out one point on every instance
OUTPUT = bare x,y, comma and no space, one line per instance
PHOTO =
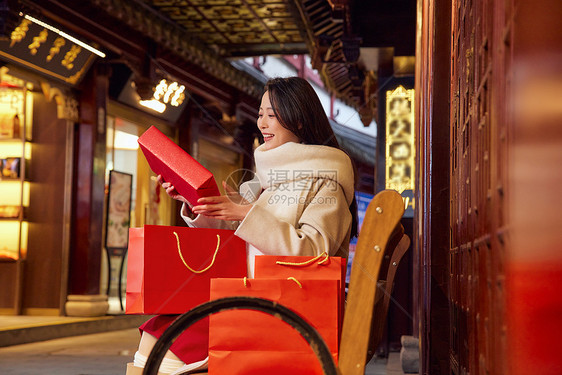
10,167
118,211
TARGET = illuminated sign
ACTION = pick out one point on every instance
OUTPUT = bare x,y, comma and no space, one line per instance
48,50
165,93
400,146
169,93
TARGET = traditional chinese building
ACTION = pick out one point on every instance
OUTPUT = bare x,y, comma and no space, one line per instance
464,96
100,80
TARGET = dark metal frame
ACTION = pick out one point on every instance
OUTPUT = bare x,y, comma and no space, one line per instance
121,251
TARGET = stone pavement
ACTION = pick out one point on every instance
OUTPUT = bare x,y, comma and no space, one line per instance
22,329
103,353
94,354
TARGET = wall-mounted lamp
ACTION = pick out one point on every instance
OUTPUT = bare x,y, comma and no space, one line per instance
156,97
153,104
169,93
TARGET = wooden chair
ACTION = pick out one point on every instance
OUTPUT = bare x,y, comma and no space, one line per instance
380,247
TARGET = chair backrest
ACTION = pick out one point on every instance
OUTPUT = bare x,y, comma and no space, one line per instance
394,252
380,246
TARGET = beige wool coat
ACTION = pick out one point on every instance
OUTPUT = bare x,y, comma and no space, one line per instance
300,196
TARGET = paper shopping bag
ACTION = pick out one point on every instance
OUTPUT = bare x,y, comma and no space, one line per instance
169,268
188,176
251,342
306,268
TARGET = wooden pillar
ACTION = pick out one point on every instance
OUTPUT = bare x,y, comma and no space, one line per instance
88,201
431,239
245,134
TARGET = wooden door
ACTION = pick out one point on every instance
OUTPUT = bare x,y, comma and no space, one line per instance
481,125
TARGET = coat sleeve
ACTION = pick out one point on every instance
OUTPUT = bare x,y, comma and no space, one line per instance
324,225
201,221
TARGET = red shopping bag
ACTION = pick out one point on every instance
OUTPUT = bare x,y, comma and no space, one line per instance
251,342
188,176
306,268
169,268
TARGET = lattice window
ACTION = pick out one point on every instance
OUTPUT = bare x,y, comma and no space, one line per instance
480,81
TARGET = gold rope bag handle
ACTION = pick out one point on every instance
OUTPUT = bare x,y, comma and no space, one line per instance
288,278
306,263
295,280
212,261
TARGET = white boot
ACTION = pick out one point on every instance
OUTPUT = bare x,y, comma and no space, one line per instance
193,368
168,366
134,370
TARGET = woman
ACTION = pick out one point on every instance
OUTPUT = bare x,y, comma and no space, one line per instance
304,195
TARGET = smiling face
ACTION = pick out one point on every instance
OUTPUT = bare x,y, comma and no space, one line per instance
274,134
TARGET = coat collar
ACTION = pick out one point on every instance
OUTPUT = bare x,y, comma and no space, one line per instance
296,161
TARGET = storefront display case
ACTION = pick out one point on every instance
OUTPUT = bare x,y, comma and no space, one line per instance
15,155
15,150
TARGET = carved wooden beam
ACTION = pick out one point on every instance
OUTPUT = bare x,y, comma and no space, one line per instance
169,35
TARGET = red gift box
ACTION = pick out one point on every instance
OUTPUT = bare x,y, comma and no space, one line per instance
169,268
166,158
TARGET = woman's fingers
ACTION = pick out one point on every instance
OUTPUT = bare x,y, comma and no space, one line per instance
206,208
228,189
221,207
212,200
233,195
170,189
166,185
216,215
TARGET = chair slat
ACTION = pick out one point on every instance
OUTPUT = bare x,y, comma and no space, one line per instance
381,219
383,294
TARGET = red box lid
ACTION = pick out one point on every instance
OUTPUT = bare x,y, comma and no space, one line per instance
188,176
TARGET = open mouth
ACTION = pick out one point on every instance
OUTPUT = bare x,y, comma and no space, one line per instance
267,137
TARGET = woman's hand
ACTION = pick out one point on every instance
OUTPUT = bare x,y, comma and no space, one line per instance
231,207
170,190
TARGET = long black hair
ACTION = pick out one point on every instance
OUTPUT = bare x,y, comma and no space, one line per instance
298,109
